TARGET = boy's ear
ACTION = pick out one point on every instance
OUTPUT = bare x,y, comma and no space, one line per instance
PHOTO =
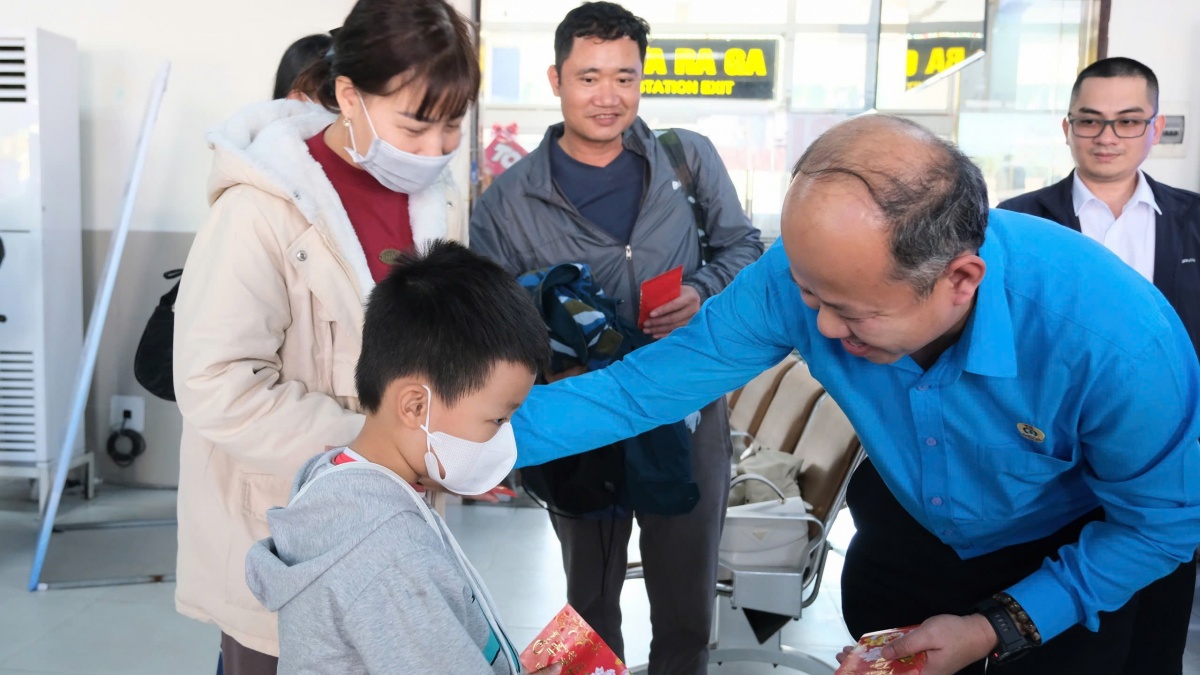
412,405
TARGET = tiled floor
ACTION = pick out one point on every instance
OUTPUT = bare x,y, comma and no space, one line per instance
134,629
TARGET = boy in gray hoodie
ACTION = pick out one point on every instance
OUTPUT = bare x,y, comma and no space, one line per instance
365,576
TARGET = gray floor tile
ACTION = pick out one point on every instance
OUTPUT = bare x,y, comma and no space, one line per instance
113,637
87,631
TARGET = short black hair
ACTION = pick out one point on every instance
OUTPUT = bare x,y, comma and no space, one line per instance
296,59
603,20
1119,66
448,315
427,43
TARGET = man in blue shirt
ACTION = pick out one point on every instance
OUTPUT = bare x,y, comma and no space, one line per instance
1025,401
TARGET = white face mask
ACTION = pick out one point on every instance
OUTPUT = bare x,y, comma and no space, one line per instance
471,468
395,169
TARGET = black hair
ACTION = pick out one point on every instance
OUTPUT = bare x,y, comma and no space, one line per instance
428,42
935,212
451,316
1119,66
603,20
296,59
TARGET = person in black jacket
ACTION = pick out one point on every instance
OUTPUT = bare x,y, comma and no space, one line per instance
1112,124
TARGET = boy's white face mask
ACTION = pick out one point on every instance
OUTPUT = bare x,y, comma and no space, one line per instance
471,468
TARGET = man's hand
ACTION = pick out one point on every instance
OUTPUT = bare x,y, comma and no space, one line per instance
950,643
674,314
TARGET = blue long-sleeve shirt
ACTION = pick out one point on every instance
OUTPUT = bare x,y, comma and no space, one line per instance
1072,386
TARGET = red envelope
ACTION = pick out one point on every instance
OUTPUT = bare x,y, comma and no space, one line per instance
659,291
570,640
866,659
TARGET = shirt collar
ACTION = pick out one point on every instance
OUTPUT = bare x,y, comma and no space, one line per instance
988,336
1081,195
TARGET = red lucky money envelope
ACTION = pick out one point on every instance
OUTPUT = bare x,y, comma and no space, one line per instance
659,291
570,640
866,658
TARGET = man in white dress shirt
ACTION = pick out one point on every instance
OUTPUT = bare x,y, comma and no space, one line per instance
1113,123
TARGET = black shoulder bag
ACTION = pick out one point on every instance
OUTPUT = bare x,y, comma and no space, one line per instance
152,362
673,145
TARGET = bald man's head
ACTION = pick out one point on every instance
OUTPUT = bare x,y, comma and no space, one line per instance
931,198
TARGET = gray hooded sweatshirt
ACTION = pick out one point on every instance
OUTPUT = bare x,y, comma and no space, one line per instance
366,579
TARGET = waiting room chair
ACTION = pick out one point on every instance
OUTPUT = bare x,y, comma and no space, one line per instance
788,410
830,451
751,403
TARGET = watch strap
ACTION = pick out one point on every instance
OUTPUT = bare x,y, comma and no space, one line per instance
1010,641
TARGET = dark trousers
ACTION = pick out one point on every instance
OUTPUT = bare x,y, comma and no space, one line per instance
898,574
239,660
679,559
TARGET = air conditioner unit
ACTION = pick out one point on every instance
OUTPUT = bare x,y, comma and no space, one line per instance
41,287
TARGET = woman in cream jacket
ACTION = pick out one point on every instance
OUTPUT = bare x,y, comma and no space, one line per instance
269,314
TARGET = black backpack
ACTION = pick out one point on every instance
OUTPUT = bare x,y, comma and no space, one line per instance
152,362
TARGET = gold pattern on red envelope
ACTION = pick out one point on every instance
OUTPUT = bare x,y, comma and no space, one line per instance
866,659
569,640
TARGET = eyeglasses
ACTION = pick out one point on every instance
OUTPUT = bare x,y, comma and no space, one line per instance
1089,127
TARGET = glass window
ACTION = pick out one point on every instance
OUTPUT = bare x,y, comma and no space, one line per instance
766,12
893,93
1013,102
1016,151
838,11
514,67
829,71
523,11
1005,109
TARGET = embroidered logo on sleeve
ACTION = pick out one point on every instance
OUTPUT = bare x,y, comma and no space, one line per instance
1031,432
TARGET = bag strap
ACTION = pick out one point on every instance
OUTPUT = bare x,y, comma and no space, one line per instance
168,300
673,145
762,479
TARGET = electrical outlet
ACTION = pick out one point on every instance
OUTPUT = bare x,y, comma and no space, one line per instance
136,405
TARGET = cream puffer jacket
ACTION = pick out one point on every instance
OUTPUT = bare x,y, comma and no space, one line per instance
268,328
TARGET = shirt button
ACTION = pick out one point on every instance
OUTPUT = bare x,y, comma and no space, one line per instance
931,441
936,501
301,256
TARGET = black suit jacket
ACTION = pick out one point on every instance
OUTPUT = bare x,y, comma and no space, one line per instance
1176,240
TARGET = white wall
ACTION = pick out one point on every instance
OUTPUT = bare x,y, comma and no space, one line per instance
223,55
1163,36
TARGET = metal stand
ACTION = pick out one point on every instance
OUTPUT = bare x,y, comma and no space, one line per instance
775,590
98,583
768,589
91,344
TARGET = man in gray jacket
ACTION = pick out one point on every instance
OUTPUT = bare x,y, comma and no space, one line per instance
601,190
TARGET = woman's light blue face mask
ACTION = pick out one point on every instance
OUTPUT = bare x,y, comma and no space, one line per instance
394,168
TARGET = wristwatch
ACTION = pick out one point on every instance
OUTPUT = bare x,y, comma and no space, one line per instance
1011,642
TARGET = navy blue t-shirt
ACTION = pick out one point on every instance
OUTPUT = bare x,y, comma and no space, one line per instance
609,196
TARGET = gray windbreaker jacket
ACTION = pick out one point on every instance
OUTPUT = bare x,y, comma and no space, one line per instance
524,222
363,583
